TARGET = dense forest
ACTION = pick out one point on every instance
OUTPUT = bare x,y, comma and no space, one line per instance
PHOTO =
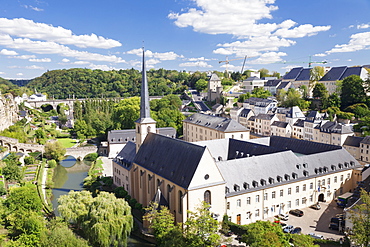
87,83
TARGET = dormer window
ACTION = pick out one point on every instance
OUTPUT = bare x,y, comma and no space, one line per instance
352,163
245,185
279,178
255,184
305,173
263,182
294,175
326,169
346,164
271,180
236,187
340,165
333,167
227,190
286,177
305,165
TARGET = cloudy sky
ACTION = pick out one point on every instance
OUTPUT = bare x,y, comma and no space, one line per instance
41,35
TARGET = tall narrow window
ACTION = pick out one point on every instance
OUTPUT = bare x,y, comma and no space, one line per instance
207,197
169,195
180,202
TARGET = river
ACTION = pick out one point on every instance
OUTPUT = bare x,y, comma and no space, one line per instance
69,175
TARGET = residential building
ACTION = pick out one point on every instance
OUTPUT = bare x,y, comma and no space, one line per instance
260,105
202,127
352,145
336,74
252,83
263,122
279,128
298,129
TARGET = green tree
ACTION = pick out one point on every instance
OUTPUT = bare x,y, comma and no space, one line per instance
353,91
201,85
320,91
24,199
201,228
360,219
243,97
105,219
28,160
162,222
303,240
332,101
12,172
265,234
259,92
126,112
54,150
316,73
59,235
264,72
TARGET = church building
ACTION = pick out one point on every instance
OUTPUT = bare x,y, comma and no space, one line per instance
247,180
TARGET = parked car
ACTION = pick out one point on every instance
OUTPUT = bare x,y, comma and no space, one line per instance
316,236
283,216
288,229
296,230
296,212
334,226
316,206
338,220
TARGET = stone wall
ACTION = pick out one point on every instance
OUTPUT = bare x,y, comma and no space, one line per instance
8,111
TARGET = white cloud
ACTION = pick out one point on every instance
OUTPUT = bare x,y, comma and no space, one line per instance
81,62
33,8
102,67
198,59
161,56
358,41
320,55
40,60
2,73
268,57
301,31
65,60
8,52
24,28
19,74
363,26
25,57
201,64
41,47
34,67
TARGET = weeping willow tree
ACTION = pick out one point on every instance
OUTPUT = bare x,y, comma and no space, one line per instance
105,220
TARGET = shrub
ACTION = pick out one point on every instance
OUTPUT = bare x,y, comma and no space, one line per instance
52,163
91,157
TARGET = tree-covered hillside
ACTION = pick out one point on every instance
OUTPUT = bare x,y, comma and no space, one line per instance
87,83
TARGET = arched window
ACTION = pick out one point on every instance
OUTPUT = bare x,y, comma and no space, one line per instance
168,195
149,129
180,202
207,197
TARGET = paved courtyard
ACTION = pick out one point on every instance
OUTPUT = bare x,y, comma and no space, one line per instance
317,221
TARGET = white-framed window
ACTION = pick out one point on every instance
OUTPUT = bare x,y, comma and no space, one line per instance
238,203
257,213
281,193
273,195
297,189
304,187
311,198
257,198
289,204
335,179
289,191
297,202
265,196
311,186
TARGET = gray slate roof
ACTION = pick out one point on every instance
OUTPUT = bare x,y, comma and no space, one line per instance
124,136
214,77
304,75
299,123
272,83
264,116
259,101
216,123
280,124
293,73
264,170
334,74
126,156
366,140
334,127
173,159
353,141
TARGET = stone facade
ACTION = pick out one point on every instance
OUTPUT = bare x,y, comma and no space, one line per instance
8,111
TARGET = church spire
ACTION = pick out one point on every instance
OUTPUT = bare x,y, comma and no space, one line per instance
145,123
144,103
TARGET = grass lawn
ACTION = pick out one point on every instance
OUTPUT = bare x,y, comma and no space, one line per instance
67,142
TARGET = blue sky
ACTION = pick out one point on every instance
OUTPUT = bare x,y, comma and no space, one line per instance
41,35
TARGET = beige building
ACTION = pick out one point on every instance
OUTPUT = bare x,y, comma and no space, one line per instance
358,147
202,127
214,88
332,133
263,122
279,128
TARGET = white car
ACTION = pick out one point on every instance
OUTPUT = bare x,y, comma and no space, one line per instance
316,236
288,229
283,216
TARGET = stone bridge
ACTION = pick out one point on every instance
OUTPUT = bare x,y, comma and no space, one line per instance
13,145
81,152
